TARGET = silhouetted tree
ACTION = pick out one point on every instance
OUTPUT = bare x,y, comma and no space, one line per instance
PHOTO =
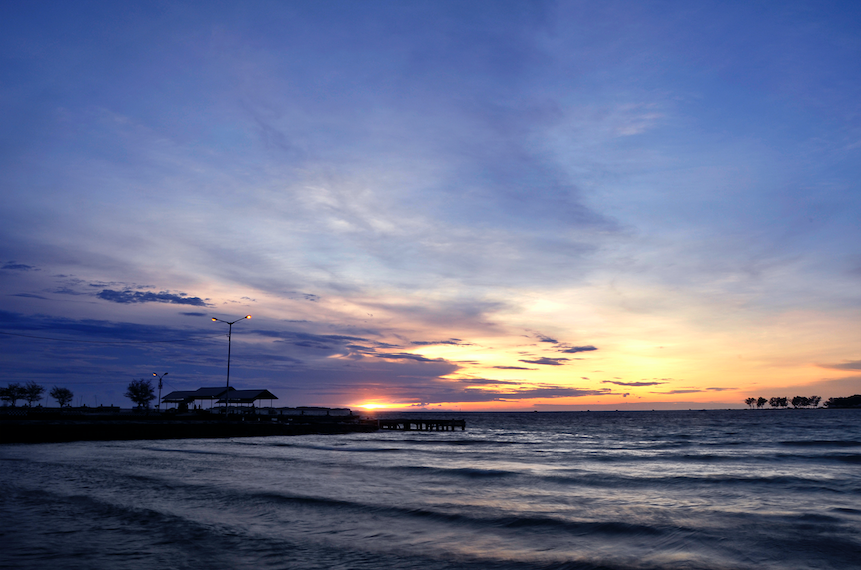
814,401
140,392
33,392
847,402
12,393
777,402
800,402
62,395
750,402
760,402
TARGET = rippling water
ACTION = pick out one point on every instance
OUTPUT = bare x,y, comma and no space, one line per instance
708,489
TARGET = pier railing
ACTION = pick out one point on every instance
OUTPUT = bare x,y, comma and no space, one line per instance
414,424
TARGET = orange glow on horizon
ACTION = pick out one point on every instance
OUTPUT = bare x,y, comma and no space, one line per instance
375,406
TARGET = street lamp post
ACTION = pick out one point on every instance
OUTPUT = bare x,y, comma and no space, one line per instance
158,405
229,333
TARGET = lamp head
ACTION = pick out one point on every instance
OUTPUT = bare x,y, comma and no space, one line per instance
214,319
247,316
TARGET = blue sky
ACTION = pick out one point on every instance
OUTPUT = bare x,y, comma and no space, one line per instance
429,204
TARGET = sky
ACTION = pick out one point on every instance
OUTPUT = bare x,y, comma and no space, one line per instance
433,205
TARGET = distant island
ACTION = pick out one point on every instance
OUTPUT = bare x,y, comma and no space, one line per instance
777,402
847,402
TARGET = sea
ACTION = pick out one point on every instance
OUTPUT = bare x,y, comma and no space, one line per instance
716,489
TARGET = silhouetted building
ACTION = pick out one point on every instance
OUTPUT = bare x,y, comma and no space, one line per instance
185,398
247,397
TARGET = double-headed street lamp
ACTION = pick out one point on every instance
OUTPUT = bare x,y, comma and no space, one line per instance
229,332
158,405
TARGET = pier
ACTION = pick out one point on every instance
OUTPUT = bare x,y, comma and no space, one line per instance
414,424
51,425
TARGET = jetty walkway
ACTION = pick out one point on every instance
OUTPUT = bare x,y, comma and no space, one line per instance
43,425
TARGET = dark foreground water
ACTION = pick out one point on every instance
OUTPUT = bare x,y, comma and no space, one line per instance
715,489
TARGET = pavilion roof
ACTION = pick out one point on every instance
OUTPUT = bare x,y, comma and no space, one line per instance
188,396
248,396
211,393
178,397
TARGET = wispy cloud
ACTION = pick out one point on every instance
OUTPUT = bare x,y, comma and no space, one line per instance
575,349
849,365
149,297
546,361
451,341
408,356
11,266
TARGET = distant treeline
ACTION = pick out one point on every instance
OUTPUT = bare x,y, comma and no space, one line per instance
847,402
140,392
805,402
32,393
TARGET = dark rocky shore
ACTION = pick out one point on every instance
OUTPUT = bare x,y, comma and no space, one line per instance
34,427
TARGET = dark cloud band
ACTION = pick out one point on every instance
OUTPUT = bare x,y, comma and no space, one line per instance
149,297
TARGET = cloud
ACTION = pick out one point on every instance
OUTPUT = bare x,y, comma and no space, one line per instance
575,349
513,368
18,267
692,390
28,295
194,314
355,347
547,361
849,365
362,349
322,337
632,383
68,291
489,382
539,392
409,356
149,297
437,391
308,344
91,330
451,341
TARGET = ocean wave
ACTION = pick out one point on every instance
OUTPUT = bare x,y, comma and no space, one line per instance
526,521
341,448
821,443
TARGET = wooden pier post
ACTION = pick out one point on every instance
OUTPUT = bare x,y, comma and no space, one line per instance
403,424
